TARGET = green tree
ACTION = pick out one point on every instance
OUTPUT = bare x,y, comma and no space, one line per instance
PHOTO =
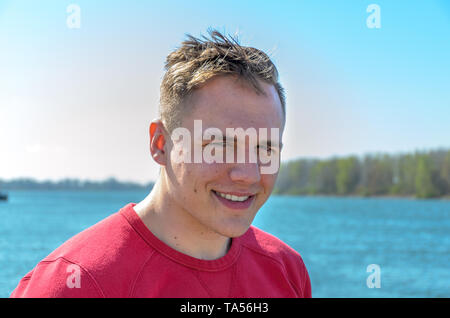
322,179
424,185
379,175
445,173
347,175
407,174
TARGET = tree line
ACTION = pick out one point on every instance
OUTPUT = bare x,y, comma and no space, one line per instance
423,174
71,184
419,174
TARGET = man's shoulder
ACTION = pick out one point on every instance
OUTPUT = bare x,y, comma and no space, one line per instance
270,246
109,240
109,253
267,243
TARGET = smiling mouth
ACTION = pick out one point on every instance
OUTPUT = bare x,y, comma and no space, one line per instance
233,201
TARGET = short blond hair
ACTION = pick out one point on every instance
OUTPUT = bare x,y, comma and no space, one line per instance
199,60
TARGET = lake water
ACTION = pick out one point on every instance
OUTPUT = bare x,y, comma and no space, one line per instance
337,237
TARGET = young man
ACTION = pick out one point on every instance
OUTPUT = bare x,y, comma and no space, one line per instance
192,235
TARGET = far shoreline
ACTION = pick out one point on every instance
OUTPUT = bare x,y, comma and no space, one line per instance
406,197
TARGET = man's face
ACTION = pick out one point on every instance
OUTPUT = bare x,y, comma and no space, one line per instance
223,102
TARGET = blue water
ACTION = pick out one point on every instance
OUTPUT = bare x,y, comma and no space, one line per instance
337,237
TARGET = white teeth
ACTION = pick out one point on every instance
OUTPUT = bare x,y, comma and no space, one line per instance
232,197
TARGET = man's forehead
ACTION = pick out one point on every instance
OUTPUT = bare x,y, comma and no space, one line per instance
229,92
223,108
238,115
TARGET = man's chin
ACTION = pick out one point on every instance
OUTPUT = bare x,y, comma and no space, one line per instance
234,230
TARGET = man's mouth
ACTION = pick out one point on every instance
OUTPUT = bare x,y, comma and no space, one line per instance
234,201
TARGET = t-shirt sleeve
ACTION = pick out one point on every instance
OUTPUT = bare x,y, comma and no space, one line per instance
299,276
58,278
307,284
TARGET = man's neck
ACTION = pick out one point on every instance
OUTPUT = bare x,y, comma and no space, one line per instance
174,226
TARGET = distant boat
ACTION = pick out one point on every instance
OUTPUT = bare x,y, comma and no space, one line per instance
3,196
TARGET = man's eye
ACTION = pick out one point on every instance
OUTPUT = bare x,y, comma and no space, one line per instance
268,150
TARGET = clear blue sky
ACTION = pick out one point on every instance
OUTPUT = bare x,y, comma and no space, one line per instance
77,102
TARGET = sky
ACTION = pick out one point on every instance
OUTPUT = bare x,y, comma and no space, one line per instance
77,102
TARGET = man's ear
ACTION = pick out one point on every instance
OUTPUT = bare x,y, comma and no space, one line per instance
158,141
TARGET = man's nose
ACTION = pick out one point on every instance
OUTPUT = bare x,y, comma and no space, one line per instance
245,173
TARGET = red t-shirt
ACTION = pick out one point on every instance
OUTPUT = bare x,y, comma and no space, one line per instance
120,257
